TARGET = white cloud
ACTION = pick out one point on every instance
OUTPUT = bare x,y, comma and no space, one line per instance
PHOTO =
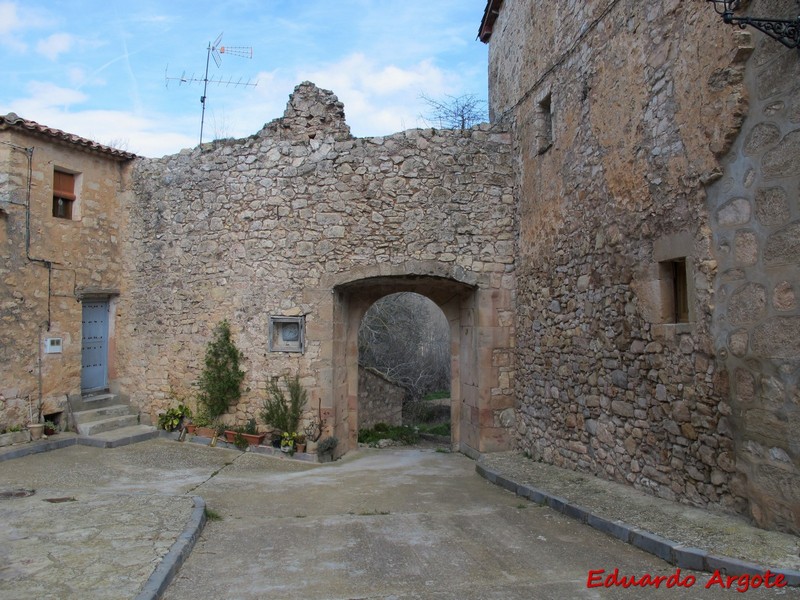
44,94
53,46
9,18
15,19
381,99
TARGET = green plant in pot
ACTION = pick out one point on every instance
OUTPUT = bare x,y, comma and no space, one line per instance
220,383
281,413
173,417
326,447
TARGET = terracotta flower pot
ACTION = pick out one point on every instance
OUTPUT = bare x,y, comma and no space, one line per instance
205,432
254,439
36,429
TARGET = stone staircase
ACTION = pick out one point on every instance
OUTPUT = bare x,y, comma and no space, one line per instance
105,415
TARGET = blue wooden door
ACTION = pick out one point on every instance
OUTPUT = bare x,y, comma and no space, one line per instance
94,345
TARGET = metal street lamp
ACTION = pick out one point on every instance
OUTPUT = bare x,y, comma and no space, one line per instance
787,32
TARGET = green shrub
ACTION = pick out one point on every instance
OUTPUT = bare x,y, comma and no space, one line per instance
221,380
239,441
277,412
401,433
328,445
171,419
442,429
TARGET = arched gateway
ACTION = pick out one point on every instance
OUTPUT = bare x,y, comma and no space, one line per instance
291,234
481,403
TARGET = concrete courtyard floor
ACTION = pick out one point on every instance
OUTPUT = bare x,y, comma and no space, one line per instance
380,524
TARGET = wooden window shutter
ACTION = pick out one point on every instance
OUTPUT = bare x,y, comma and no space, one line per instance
64,185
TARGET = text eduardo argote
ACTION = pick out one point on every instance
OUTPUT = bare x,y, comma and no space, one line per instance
600,578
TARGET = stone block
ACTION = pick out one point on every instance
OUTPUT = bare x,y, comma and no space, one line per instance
783,246
772,207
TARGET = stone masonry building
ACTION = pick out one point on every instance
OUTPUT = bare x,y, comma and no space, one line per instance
657,180
617,254
61,223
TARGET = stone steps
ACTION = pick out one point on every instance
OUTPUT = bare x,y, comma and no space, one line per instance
102,414
94,401
108,424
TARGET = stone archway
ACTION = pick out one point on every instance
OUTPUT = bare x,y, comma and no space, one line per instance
404,356
481,353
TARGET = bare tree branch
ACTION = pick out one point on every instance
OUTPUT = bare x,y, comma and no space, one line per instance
456,112
406,338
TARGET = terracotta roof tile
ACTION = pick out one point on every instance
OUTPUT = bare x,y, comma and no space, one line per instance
13,121
489,17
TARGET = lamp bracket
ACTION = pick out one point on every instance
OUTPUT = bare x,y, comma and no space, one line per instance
787,32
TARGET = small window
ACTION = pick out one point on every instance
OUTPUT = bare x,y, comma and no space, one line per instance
544,136
63,194
680,291
674,291
286,334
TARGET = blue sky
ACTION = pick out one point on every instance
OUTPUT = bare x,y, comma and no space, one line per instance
98,69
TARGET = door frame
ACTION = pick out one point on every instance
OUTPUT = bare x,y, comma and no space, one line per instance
105,300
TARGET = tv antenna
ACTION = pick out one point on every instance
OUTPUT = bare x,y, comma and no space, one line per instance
216,51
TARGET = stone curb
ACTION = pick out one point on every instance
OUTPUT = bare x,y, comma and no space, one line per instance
37,447
169,566
126,441
263,450
667,550
79,440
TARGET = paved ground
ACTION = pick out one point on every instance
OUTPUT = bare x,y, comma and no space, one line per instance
388,524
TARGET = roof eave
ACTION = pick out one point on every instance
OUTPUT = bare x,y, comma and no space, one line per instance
14,122
489,17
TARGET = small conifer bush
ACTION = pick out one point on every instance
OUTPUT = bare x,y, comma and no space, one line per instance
221,380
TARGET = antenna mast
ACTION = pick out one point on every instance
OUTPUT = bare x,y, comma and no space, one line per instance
216,51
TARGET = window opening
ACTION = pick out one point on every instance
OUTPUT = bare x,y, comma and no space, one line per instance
63,194
680,291
286,334
545,136
674,291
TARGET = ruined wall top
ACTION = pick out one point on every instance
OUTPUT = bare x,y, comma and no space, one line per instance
268,225
312,113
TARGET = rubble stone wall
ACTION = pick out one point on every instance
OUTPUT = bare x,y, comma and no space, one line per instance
271,224
379,400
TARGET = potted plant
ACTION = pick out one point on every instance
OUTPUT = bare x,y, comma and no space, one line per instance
300,443
202,424
251,434
50,428
325,449
221,380
174,417
281,414
287,442
36,430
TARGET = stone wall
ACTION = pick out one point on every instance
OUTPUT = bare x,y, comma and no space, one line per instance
379,400
281,223
620,112
755,217
43,280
